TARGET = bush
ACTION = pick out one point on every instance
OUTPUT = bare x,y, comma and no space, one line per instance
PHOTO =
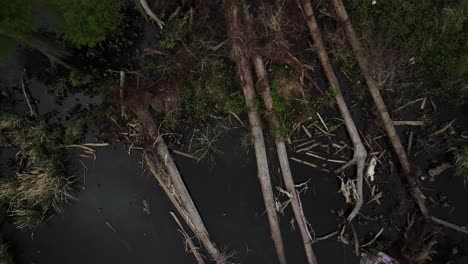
88,22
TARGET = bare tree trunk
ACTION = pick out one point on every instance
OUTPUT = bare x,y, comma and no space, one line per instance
241,57
360,153
379,103
173,183
265,92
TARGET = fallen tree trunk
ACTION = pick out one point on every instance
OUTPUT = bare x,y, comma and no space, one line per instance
265,92
166,172
385,116
360,153
241,57
380,105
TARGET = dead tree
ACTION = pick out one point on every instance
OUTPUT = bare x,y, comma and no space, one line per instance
240,55
163,167
360,153
383,113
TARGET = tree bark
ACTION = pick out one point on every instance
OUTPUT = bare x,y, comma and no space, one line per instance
173,183
241,57
265,92
360,153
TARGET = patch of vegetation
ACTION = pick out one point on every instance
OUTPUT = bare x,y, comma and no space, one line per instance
80,23
172,34
39,188
88,22
205,143
5,256
429,35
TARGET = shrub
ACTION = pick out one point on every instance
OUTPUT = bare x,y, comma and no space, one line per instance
87,22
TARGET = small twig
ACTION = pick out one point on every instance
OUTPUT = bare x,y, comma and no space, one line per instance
322,158
374,239
410,103
408,123
443,129
439,169
323,122
308,164
449,225
238,119
185,154
193,248
327,236
31,111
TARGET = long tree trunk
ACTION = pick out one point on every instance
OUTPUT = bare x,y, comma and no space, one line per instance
379,103
265,92
360,153
385,117
241,57
173,183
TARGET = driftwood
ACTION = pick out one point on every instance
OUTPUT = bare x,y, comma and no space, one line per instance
189,241
150,13
265,92
241,57
360,153
385,117
163,167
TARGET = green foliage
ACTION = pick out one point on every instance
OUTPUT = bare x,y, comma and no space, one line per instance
87,22
74,132
172,33
79,80
16,16
431,34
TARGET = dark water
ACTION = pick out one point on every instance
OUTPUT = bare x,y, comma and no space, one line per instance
227,195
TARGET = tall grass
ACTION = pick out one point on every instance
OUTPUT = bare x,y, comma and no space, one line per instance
40,188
